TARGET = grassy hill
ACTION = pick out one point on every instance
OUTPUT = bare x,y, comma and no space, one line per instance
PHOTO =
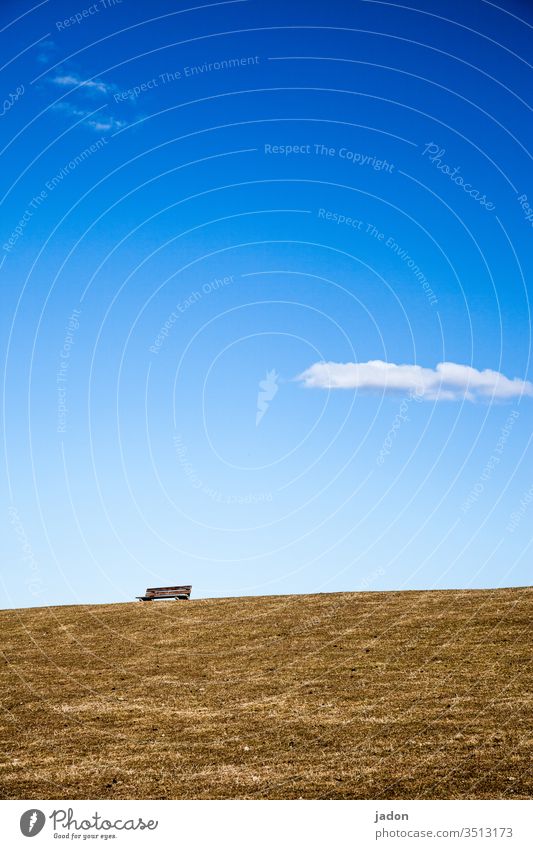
350,695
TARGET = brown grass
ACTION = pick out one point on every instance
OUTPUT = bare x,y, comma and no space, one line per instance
352,695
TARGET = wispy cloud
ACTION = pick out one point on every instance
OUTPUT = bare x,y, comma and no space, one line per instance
446,382
92,86
105,124
98,121
267,389
46,50
77,86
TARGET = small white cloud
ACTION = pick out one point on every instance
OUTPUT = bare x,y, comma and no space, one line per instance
268,389
46,49
91,86
70,109
105,124
446,382
100,123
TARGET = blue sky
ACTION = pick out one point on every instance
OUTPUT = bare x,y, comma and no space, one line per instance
265,279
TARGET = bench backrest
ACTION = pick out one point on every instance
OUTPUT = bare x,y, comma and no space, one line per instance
170,591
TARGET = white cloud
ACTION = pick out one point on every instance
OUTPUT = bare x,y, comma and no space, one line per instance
446,382
97,121
105,123
46,50
92,86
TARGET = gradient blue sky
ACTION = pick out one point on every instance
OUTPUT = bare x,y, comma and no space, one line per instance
160,257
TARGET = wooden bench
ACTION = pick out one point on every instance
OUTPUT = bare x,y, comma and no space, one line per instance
183,592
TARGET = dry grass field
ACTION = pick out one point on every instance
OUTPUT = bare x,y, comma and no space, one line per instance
353,695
